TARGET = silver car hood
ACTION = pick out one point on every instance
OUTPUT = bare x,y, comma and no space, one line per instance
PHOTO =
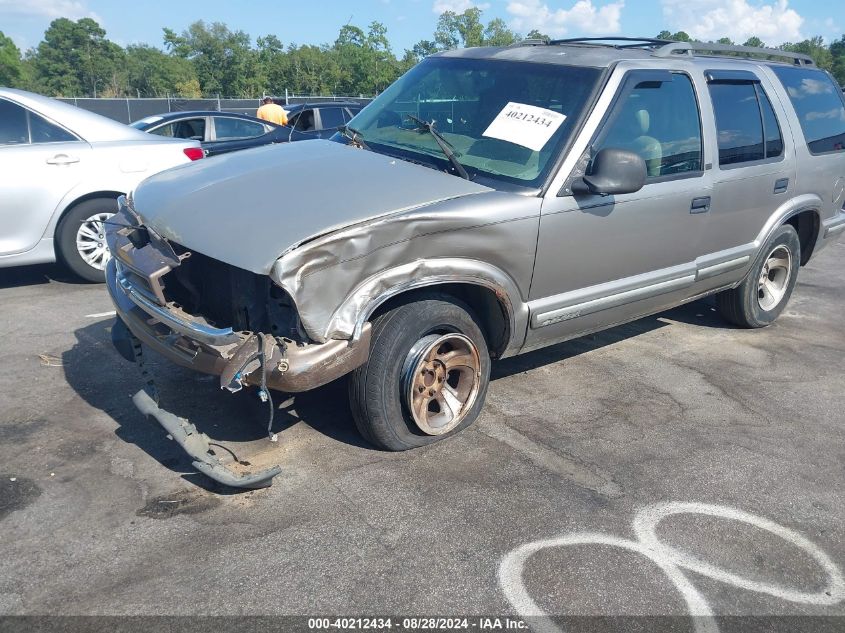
246,208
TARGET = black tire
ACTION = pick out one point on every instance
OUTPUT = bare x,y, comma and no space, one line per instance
742,305
66,232
376,389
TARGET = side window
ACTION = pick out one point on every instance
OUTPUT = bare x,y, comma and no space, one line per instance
193,129
229,129
13,127
738,122
819,105
331,118
747,127
42,131
304,121
658,120
164,130
771,127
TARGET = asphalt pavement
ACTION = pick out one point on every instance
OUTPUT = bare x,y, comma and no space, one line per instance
670,466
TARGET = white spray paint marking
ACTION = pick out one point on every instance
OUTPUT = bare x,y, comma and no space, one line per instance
511,567
100,315
671,561
645,526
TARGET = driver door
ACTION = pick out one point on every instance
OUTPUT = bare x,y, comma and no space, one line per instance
602,260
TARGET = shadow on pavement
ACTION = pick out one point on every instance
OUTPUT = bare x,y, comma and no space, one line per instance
105,381
16,276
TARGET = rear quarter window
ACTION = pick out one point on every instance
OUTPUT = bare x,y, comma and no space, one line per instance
819,105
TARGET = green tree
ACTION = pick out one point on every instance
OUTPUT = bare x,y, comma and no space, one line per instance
150,72
11,64
365,61
459,30
497,33
224,60
837,54
815,48
274,63
534,34
680,36
75,58
754,41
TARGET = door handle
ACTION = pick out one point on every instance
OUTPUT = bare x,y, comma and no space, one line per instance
781,185
62,159
700,205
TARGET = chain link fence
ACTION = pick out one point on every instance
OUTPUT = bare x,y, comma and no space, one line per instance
127,110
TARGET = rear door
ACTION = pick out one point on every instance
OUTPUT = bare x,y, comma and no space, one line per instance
754,171
232,133
40,163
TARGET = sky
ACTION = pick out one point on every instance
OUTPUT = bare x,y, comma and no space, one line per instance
408,21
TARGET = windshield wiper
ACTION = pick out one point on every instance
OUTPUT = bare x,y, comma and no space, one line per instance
353,135
442,143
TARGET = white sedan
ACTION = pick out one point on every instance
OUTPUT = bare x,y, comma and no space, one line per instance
61,171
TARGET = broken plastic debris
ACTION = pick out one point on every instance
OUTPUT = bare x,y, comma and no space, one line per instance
13,478
48,360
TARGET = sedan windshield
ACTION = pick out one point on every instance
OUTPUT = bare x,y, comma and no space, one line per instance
504,120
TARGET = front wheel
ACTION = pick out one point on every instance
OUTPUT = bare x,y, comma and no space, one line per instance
426,377
81,238
764,293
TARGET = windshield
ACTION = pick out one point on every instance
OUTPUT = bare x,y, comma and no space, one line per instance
505,120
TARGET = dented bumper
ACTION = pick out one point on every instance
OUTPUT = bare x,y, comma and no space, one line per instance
192,342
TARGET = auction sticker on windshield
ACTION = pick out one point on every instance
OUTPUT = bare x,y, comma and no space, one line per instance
525,125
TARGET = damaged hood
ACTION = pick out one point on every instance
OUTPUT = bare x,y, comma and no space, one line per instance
246,208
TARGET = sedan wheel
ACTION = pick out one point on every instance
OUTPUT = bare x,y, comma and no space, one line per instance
81,238
91,241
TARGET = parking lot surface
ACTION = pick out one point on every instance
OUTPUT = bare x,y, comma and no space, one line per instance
674,465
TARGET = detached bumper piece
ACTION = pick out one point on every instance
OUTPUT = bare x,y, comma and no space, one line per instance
198,446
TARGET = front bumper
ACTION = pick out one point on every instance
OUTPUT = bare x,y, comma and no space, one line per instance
192,342
239,358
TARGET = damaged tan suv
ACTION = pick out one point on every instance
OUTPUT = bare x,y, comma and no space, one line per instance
490,202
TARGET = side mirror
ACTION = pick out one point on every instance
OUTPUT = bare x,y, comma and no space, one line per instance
612,172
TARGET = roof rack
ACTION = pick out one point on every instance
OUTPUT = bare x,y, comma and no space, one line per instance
690,48
531,41
628,42
668,48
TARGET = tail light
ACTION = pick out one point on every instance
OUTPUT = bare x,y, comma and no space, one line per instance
194,153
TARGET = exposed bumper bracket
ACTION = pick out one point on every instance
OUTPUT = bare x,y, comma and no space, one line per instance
198,446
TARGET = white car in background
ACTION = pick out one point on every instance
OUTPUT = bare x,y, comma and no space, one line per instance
61,171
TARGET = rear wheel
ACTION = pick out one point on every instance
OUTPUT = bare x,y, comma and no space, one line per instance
81,238
426,377
764,293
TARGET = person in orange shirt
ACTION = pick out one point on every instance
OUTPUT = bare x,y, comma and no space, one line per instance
271,111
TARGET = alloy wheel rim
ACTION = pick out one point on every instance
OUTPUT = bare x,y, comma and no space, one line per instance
91,241
774,278
442,375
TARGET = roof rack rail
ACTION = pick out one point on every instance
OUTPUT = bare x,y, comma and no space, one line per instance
629,42
531,41
690,48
